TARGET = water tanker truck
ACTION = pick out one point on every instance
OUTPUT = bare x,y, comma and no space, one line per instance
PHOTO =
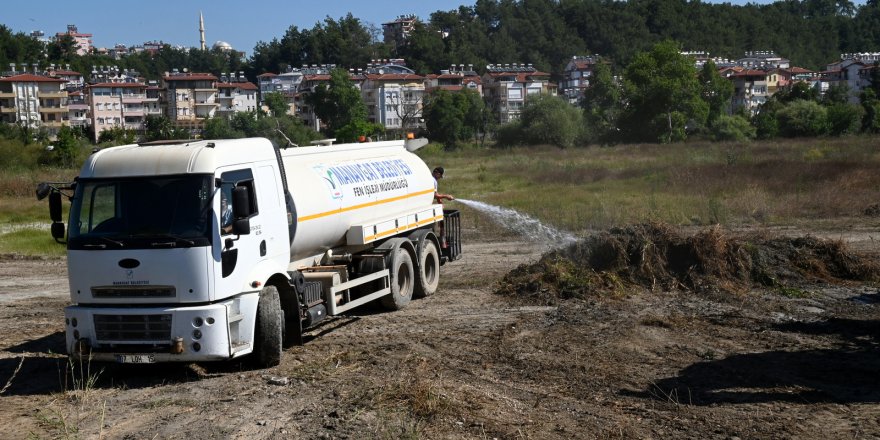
210,250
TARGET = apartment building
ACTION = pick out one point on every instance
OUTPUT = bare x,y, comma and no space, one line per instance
763,59
116,105
848,72
457,77
77,109
313,76
394,96
73,80
398,30
576,77
152,101
507,88
189,98
751,89
287,83
83,41
239,96
34,101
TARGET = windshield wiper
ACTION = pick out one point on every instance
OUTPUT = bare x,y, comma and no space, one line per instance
117,243
175,240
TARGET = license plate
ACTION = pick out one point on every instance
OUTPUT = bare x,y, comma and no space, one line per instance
135,358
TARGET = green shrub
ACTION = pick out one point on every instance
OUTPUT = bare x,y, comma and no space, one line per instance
844,119
802,118
549,119
733,128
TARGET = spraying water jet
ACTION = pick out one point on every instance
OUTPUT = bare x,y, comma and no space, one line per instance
525,225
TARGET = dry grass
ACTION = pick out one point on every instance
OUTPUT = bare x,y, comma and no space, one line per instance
776,182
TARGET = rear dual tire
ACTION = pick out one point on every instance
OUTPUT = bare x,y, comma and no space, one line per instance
399,263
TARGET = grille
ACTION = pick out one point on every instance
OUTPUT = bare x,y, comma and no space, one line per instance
152,328
134,292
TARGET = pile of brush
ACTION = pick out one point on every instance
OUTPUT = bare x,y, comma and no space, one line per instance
660,258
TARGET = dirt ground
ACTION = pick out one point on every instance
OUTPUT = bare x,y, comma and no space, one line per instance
467,363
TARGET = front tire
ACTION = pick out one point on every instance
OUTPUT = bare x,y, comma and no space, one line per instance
269,329
402,280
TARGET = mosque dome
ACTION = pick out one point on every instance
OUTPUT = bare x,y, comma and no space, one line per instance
222,45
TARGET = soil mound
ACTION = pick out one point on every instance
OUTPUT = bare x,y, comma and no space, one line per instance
658,257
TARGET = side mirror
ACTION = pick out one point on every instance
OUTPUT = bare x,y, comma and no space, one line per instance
241,226
43,190
241,203
58,231
55,206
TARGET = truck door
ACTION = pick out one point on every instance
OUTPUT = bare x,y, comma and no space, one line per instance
238,253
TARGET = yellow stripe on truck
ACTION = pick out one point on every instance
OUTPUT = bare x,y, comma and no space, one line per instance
379,235
363,205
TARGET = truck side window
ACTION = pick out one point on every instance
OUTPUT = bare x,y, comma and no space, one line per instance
229,180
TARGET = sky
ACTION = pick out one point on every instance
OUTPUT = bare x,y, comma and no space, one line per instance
240,23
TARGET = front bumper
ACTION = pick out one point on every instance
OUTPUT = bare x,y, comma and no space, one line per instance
161,334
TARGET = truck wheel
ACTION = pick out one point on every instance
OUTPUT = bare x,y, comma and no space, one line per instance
401,268
269,328
427,269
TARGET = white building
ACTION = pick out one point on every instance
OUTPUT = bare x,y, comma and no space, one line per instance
394,96
508,87
577,75
234,97
34,101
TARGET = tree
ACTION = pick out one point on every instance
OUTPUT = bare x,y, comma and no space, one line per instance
549,119
118,136
602,104
338,103
159,127
276,103
844,119
716,91
218,127
802,118
836,94
871,106
63,49
444,119
799,91
662,94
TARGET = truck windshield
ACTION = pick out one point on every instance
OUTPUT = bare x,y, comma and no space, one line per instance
142,212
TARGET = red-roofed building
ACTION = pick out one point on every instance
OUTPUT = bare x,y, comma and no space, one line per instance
236,97
83,41
750,89
846,73
190,98
458,77
34,101
75,80
792,75
394,96
507,87
576,77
